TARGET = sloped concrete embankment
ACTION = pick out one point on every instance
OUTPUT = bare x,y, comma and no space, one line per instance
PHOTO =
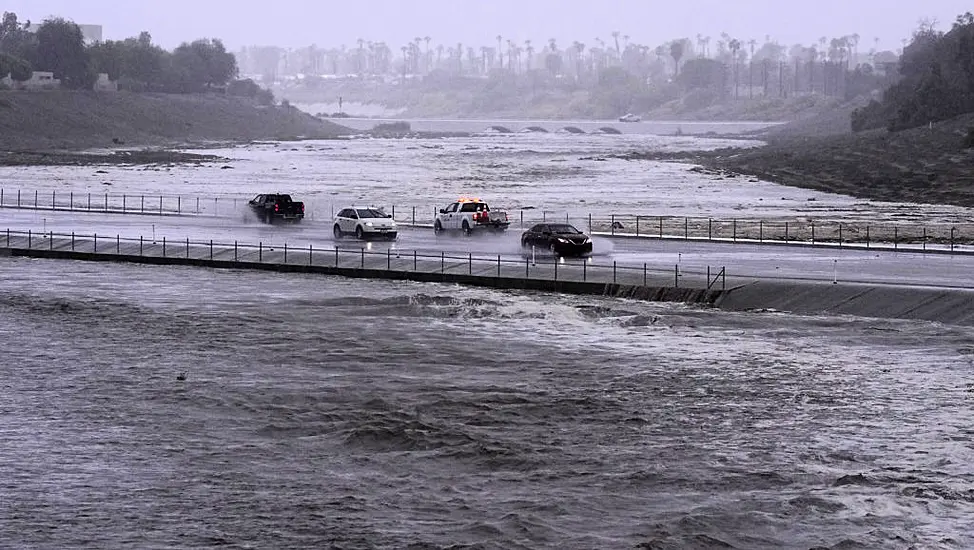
945,305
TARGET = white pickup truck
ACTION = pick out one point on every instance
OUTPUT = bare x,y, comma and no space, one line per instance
469,215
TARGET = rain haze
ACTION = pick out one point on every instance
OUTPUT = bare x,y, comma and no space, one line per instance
296,23
357,275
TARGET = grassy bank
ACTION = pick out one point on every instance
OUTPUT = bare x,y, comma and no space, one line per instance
931,164
66,120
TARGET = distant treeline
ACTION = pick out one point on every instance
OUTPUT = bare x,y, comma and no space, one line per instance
136,64
937,81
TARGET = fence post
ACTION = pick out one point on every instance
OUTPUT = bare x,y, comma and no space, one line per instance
35,199
187,247
94,246
50,240
613,271
527,268
140,243
686,229
895,240
234,250
388,259
812,225
8,239
708,276
106,202
555,261
584,271
160,204
735,231
311,253
179,204
786,232
1,196
72,240
18,198
393,212
676,276
260,252
469,263
285,252
442,261
637,225
710,229
924,238
589,222
163,247
498,265
867,236
197,205
415,265
661,227
211,250
118,244
613,225
363,257
28,239
951,239
142,208
414,215
53,199
72,201
840,234
644,274
124,197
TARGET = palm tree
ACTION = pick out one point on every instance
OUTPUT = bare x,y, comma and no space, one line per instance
529,50
428,59
500,55
750,69
676,52
615,36
735,46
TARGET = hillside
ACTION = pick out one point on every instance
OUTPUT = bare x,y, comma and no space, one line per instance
59,120
930,164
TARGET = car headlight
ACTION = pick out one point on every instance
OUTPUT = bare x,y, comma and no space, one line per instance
562,240
368,224
586,240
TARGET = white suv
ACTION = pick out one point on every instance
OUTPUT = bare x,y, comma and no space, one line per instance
365,223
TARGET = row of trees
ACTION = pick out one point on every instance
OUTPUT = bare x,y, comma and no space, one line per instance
937,81
137,64
583,64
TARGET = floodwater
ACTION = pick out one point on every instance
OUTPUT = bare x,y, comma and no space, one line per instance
573,174
162,407
321,412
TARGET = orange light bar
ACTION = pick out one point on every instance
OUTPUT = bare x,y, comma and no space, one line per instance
469,199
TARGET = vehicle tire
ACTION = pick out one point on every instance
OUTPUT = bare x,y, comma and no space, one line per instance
269,218
554,252
359,234
437,227
337,232
466,228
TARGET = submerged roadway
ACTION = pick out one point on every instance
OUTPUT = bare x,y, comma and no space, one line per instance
742,260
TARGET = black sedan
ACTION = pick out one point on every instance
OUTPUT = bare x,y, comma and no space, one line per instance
561,239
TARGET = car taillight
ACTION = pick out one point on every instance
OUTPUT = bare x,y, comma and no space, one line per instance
302,207
276,207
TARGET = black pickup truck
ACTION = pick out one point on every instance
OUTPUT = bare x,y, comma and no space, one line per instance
271,208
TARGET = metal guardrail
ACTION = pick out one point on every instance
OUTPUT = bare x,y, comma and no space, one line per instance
798,230
532,267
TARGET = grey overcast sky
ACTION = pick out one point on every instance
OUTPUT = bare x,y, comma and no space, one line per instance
331,23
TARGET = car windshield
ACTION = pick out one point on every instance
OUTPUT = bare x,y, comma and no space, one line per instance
370,213
563,228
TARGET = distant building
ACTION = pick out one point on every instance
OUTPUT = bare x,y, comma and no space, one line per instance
39,80
91,33
104,84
